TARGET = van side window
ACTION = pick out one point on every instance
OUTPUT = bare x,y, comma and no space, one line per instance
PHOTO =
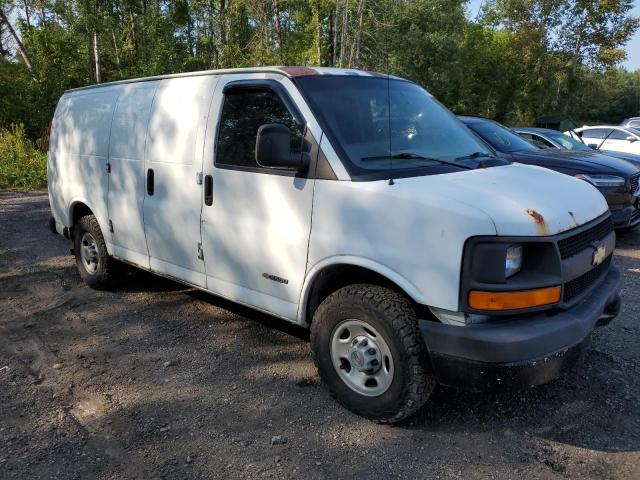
243,112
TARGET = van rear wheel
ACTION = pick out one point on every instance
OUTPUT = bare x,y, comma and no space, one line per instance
370,354
96,267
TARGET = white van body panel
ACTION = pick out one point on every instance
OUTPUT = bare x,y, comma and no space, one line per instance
258,225
79,148
174,153
127,179
408,229
267,227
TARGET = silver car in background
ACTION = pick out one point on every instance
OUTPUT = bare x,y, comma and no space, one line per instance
548,138
631,122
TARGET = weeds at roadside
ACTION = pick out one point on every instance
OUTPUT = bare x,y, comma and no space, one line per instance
22,164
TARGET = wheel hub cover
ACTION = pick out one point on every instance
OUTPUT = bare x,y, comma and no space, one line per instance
364,355
357,359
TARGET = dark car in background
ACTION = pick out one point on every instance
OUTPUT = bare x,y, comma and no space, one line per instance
547,138
616,179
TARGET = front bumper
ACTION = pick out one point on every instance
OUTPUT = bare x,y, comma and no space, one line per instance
520,351
627,217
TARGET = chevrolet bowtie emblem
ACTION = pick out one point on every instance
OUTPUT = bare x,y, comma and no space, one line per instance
599,255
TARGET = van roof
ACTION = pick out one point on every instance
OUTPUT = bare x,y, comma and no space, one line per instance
288,71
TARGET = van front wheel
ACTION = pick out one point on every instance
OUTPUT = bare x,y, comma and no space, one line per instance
96,267
370,353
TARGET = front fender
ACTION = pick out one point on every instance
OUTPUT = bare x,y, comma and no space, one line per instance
405,285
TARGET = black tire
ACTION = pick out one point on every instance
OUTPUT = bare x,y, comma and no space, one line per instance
52,225
107,269
393,316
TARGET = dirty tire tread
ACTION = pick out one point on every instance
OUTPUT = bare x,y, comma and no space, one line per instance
401,316
109,268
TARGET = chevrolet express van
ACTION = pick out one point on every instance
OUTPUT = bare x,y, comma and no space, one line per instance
348,202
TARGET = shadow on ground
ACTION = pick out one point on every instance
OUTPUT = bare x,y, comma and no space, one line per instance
158,380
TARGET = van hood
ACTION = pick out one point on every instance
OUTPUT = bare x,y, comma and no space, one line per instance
521,200
577,161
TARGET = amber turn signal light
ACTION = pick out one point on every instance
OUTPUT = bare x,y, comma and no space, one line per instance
480,300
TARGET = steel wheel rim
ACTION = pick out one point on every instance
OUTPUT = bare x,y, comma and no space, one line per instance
89,253
355,364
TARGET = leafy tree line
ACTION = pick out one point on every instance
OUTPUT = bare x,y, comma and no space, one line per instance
518,60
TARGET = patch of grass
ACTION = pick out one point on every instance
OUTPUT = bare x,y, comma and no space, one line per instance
22,164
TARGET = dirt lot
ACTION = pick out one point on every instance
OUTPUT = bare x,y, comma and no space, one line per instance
155,380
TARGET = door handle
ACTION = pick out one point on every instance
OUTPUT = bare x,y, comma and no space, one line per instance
208,190
150,183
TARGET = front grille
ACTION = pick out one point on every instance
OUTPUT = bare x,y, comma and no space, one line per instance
634,182
580,284
576,243
635,215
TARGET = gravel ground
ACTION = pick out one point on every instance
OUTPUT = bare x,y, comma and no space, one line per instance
156,380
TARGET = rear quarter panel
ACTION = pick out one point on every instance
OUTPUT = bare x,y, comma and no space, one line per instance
78,153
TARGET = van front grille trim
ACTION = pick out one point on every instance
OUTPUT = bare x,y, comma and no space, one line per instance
575,244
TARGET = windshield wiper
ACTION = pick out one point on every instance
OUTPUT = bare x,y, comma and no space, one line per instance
577,135
415,156
475,155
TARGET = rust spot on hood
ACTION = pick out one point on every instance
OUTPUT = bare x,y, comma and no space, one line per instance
539,221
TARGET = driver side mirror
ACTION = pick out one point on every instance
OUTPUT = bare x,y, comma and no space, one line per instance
592,146
273,149
631,138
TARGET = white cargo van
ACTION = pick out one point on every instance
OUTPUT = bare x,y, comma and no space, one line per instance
349,202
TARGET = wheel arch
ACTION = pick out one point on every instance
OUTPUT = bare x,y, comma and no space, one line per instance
331,274
78,208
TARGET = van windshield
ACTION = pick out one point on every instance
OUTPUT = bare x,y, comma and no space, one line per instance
388,125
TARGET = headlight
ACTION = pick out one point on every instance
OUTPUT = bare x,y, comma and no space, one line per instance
602,180
513,262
